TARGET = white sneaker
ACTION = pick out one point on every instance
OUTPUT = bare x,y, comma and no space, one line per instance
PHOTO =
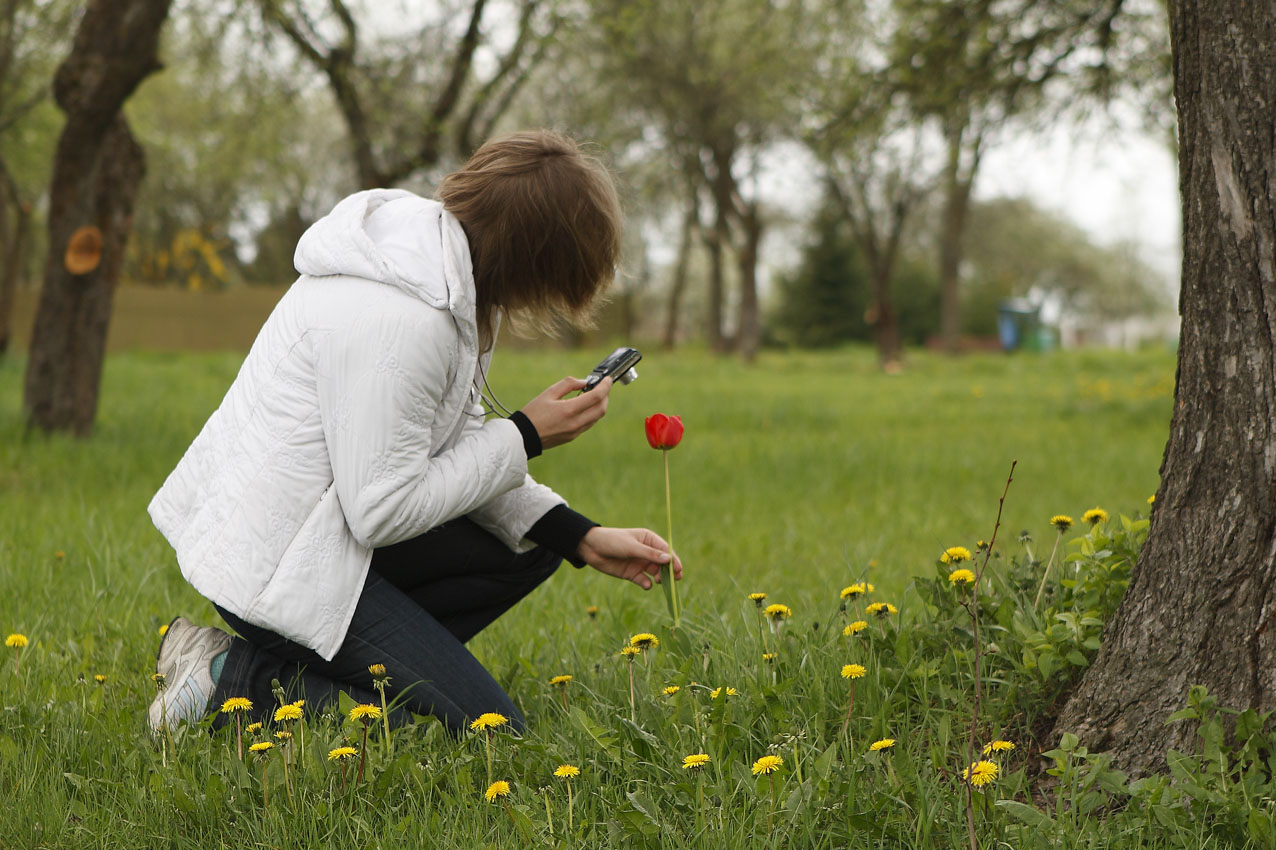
185,655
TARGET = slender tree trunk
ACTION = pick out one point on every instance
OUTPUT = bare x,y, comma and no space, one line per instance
11,268
958,182
750,330
716,239
679,283
1200,604
885,320
96,171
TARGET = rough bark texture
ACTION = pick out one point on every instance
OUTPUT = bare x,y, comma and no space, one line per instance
96,171
1199,607
13,240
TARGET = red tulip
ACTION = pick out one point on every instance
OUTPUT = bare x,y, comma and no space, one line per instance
664,432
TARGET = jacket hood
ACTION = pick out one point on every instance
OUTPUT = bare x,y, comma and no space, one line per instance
397,238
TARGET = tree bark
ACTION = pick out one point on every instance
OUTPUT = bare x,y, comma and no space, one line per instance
1200,602
959,179
11,259
679,283
749,335
716,239
96,170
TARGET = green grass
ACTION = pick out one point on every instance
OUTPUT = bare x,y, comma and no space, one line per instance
796,476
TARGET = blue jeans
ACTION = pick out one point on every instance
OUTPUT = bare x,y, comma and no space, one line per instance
423,599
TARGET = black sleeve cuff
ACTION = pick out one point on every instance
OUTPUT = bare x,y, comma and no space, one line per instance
531,439
560,531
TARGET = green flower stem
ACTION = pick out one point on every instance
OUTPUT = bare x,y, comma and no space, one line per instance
385,717
569,806
666,571
1045,575
549,816
363,749
632,716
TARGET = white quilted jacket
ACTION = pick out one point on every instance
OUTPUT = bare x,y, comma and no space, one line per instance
353,424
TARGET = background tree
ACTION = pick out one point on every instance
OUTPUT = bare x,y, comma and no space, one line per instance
31,35
873,156
1200,604
410,98
716,115
96,171
979,68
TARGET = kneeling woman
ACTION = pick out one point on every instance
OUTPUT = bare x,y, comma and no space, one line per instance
348,504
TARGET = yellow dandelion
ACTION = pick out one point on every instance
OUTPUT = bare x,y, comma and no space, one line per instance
499,788
998,747
253,728
561,680
365,711
644,640
757,598
290,712
695,760
858,589
16,641
717,692
962,576
99,678
284,735
489,720
235,704
377,670
767,764
59,554
160,680
630,651
882,609
882,745
592,611
566,771
1094,516
980,773
778,612
955,555
853,671
671,690
854,628
769,657
301,703
1152,499
1061,521
261,747
342,753
163,630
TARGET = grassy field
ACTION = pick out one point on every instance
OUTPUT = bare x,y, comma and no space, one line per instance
796,477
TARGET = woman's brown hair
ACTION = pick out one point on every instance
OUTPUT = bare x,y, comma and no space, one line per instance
543,223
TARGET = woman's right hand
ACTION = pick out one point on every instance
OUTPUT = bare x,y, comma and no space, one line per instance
560,420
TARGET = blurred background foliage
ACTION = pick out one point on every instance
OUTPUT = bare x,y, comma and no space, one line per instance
797,173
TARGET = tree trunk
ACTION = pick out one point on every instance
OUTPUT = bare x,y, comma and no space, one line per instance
749,335
958,182
679,283
96,170
1199,606
885,322
11,267
716,239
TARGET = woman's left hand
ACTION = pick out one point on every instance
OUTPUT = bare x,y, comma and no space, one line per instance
633,554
